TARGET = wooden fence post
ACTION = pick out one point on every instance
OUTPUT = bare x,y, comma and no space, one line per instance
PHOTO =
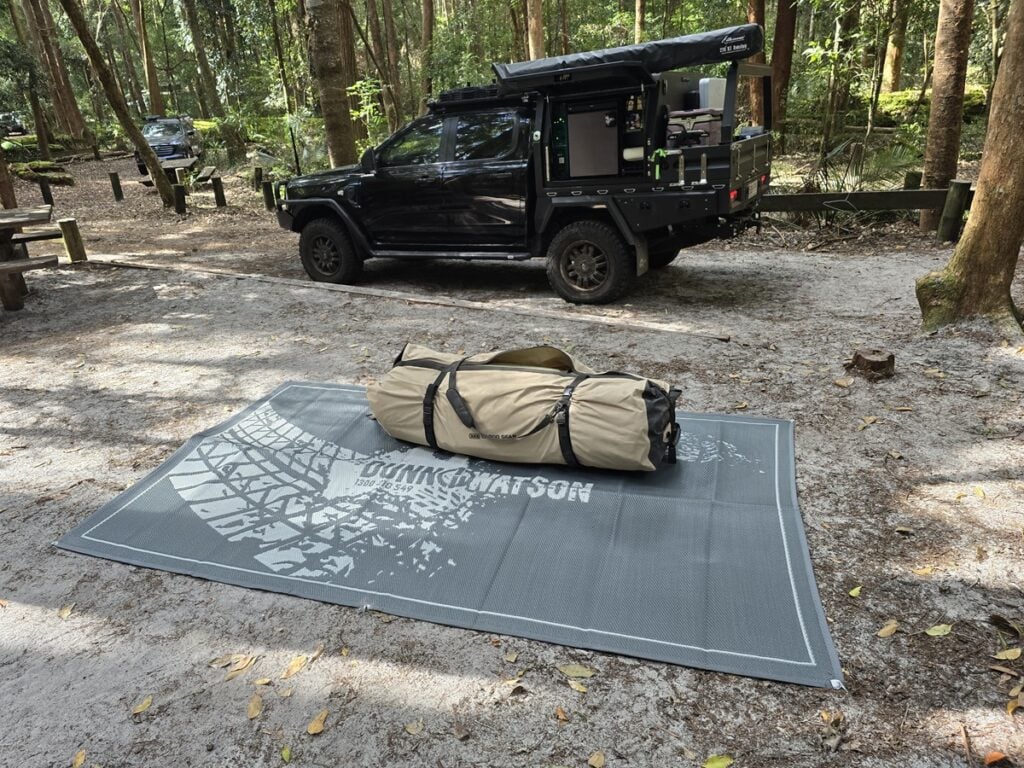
179,199
912,180
179,176
115,185
73,245
953,211
218,191
268,195
257,177
44,189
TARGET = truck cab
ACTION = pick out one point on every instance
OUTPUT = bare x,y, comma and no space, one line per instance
604,163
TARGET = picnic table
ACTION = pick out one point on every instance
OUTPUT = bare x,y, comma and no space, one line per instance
170,168
12,281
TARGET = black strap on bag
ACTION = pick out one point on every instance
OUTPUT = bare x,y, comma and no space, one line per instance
428,409
562,420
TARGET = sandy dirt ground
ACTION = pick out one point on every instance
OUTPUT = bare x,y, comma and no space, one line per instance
911,489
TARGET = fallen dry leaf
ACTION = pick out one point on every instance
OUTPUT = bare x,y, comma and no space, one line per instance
903,530
1004,670
718,761
286,754
924,570
460,732
596,760
561,715
345,651
939,630
844,382
142,706
286,693
979,491
65,610
959,495
79,759
3,603
255,707
511,657
577,686
317,652
1016,690
296,664
241,664
262,681
415,728
902,408
316,725
576,670
889,628
222,661
742,406
855,592
995,758
1011,706
1010,654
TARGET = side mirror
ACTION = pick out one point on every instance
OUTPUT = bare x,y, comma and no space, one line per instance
368,161
191,133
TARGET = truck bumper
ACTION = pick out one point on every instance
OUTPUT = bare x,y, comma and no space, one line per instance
285,218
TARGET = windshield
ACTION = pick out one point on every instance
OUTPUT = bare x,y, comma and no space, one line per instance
161,130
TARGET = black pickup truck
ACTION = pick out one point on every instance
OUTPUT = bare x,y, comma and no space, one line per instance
605,163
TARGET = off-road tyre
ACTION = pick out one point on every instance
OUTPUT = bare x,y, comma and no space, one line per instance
588,263
327,252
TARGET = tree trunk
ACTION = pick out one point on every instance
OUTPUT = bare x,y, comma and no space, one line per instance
535,28
131,75
69,116
172,89
207,85
7,198
378,54
977,279
289,100
892,75
563,25
638,20
949,75
782,64
394,50
117,102
330,29
156,98
755,15
38,119
427,55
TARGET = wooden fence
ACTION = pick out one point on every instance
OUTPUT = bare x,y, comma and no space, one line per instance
953,203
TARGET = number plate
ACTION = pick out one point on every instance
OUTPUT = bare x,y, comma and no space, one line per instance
752,189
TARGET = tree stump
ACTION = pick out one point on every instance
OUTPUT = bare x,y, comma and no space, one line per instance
874,363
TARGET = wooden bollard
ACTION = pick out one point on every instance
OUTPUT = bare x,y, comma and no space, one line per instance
257,178
953,211
44,189
179,176
179,199
115,185
912,180
268,195
73,245
218,191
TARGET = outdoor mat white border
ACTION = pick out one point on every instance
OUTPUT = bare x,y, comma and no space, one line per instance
817,663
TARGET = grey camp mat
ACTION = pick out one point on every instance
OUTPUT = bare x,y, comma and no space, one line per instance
702,564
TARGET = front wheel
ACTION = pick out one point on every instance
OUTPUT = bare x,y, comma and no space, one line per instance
327,253
588,263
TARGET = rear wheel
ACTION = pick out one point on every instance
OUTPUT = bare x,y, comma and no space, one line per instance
327,253
588,263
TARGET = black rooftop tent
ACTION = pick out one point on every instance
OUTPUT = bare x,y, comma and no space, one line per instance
642,60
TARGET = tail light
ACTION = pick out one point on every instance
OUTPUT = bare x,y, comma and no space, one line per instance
734,195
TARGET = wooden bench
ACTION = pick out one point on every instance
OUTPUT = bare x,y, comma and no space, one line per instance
206,174
38,235
12,284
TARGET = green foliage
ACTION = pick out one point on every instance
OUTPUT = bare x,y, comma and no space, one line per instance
367,93
900,107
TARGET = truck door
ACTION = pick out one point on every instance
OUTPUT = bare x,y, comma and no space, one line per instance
485,183
400,203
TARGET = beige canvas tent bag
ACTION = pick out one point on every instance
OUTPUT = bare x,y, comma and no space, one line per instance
535,405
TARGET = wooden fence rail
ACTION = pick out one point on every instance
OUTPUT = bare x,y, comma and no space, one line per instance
954,202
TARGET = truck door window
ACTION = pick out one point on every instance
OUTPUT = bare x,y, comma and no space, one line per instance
485,136
420,144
